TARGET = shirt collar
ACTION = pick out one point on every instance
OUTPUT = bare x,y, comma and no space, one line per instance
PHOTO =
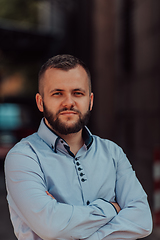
52,139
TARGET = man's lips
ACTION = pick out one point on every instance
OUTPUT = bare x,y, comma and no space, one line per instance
68,113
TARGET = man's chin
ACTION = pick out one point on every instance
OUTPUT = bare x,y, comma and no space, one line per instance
68,127
68,120
68,117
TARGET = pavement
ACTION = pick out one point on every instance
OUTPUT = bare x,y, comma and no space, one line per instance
6,229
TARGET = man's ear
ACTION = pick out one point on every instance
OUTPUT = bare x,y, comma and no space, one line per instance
91,101
39,102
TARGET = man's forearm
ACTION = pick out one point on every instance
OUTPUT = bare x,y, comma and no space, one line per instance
117,207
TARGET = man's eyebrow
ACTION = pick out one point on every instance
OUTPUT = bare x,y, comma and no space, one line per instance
74,90
79,89
56,90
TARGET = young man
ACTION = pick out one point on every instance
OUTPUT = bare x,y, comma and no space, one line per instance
65,183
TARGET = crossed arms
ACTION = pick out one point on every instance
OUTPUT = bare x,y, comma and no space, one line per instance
51,220
117,207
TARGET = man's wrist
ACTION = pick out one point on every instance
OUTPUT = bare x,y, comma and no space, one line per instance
111,203
105,207
116,206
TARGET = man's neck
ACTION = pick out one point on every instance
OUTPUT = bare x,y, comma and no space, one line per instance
74,140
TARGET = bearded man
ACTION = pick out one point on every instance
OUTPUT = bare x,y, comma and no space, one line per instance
62,181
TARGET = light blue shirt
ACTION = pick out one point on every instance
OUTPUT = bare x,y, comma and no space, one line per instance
83,187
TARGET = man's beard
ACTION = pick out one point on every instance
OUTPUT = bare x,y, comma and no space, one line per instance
62,127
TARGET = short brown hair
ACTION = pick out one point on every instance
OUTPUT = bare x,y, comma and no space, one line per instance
64,62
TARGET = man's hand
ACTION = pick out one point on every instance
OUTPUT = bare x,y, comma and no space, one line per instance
116,206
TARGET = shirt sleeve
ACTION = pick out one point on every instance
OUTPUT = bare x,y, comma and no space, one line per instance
134,221
46,217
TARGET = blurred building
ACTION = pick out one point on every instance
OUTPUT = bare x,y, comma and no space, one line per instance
138,86
119,41
126,80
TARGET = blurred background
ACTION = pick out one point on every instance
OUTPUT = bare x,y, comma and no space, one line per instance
119,40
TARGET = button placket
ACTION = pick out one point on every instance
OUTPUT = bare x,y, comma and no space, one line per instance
80,169
82,179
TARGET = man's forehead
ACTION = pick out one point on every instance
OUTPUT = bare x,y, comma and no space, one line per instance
75,76
77,70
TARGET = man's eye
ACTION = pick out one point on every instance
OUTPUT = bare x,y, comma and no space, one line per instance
78,93
57,94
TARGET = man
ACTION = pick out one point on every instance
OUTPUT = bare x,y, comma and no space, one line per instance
65,183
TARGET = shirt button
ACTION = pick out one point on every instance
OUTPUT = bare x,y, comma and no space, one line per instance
79,169
88,202
77,163
83,180
61,141
81,174
76,159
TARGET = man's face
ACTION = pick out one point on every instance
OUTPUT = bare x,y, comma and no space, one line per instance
66,102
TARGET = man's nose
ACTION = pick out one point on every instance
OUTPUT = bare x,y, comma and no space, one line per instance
68,101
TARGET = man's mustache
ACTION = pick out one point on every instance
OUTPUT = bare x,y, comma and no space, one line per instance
68,109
